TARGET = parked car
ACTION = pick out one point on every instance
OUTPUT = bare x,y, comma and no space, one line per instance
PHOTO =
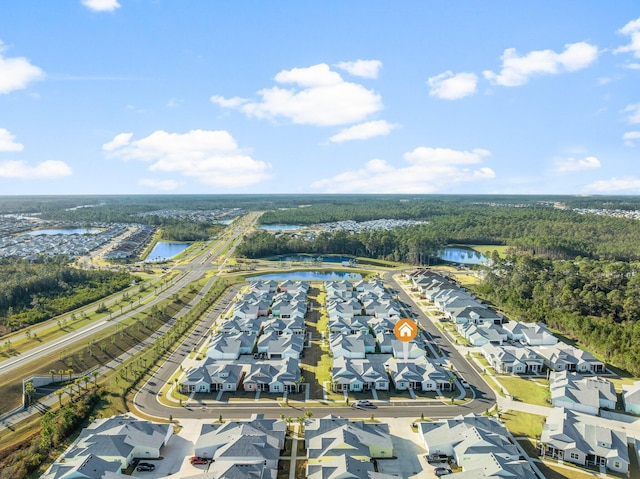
437,458
442,471
198,460
143,466
465,384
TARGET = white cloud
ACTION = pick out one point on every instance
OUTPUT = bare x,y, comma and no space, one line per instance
565,165
119,141
7,142
634,113
319,97
211,157
627,183
16,73
162,185
101,5
47,170
361,68
631,66
364,131
631,137
430,170
228,102
516,69
604,80
631,29
450,86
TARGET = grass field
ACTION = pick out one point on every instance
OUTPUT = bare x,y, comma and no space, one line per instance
523,424
527,391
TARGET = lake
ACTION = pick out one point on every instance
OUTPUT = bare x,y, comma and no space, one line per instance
164,250
280,227
309,276
456,254
73,231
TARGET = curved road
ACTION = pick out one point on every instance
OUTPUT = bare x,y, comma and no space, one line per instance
146,400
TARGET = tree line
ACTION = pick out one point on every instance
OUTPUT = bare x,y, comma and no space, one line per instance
33,292
594,302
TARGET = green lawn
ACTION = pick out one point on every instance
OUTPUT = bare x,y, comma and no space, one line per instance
522,423
527,391
490,248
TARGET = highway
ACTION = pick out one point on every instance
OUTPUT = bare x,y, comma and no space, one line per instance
190,272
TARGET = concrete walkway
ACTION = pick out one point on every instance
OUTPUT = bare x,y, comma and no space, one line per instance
294,455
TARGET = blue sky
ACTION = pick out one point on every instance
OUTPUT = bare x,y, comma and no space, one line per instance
141,96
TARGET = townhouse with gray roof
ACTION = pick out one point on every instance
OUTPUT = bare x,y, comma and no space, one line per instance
231,346
333,436
108,445
631,397
255,444
577,438
212,376
513,359
563,357
352,346
533,334
480,445
278,346
236,325
343,467
358,375
420,374
274,376
479,335
582,394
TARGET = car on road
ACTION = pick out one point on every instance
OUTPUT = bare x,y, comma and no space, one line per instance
364,403
465,384
442,471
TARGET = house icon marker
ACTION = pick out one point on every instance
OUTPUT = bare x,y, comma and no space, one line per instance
405,330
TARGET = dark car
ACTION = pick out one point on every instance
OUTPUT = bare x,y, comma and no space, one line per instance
198,460
143,466
442,471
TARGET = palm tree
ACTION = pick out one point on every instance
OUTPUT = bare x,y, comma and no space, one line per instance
69,372
85,380
29,391
59,393
95,377
52,372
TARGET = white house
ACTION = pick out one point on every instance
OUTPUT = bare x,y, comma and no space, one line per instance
631,397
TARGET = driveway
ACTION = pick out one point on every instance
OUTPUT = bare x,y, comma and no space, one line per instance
408,448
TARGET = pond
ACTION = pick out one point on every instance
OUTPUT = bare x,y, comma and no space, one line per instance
309,276
164,250
71,231
457,254
280,227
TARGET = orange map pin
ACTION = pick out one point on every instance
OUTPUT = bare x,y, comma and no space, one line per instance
405,330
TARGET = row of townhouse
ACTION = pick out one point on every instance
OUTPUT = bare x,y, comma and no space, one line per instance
455,303
379,372
520,358
262,321
480,445
242,449
107,446
578,438
531,345
340,448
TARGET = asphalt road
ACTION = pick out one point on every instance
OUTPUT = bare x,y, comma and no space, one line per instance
146,399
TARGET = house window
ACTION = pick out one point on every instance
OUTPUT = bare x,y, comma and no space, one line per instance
574,455
617,465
